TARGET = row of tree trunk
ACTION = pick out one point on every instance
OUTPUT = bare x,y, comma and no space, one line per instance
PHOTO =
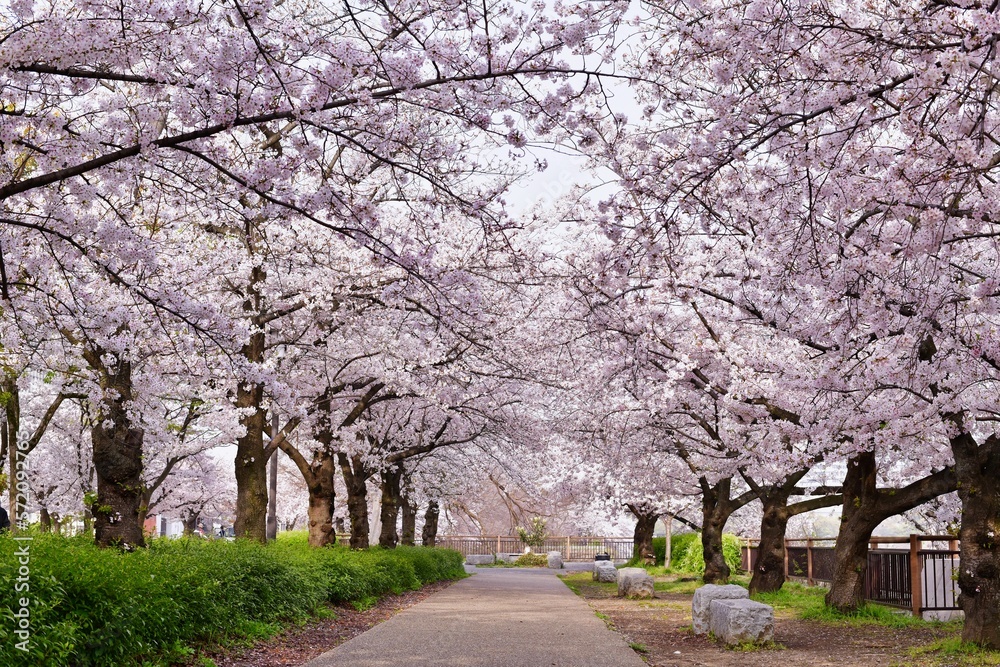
864,507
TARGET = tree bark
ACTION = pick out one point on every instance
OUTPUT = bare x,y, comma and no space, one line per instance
251,466
864,507
428,535
389,515
12,424
321,499
716,508
44,520
978,470
117,455
272,488
355,478
190,521
642,536
408,530
769,570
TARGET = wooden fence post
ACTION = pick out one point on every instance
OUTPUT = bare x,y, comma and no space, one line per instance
786,557
916,580
498,544
809,562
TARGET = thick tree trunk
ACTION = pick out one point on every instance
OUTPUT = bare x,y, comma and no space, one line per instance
355,479
190,521
769,570
408,529
251,466
428,536
389,515
44,520
321,498
716,569
642,536
117,455
12,424
865,506
716,508
858,520
977,468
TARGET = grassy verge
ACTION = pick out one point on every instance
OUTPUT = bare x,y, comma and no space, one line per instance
952,652
90,607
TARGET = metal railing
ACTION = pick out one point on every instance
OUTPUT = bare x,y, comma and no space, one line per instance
571,548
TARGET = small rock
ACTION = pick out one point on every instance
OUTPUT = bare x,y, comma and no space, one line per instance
555,560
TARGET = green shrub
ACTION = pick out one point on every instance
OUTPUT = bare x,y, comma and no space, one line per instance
678,547
692,560
91,607
660,549
532,560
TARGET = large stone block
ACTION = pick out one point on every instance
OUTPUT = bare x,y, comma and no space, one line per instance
737,621
634,582
480,559
555,560
605,571
703,599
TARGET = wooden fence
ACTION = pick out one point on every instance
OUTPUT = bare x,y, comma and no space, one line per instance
571,548
911,576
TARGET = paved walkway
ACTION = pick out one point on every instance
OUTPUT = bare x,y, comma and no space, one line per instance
495,618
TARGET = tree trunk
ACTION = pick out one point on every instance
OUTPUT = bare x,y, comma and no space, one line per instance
769,570
57,524
355,478
428,536
389,515
865,506
12,424
117,455
44,520
978,470
272,489
190,521
642,537
716,508
251,466
321,499
408,530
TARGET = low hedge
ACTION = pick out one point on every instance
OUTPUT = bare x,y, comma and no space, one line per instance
91,607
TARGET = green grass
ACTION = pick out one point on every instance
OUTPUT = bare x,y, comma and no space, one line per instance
952,651
807,603
753,647
638,648
94,608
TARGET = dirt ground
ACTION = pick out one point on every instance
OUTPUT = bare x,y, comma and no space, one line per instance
301,644
662,626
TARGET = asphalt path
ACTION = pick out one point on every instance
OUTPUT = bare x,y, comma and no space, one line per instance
498,617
